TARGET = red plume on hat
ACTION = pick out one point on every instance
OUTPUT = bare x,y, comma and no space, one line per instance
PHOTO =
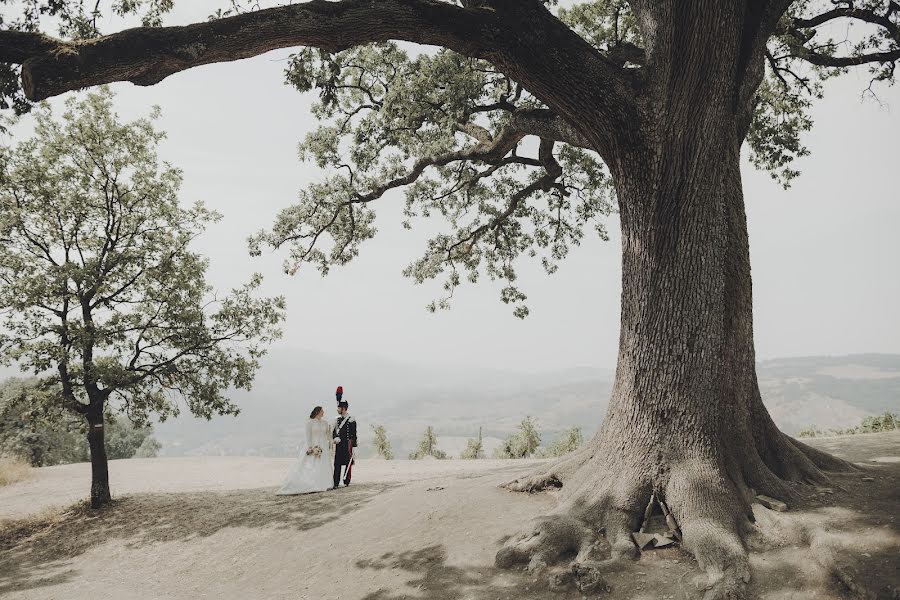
339,392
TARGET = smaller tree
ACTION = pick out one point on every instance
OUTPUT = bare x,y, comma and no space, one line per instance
570,441
809,432
428,446
123,440
381,443
521,444
879,423
474,448
36,429
149,448
100,294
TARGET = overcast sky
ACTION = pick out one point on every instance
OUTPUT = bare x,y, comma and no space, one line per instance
824,253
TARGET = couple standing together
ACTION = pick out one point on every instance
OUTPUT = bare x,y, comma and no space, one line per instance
313,471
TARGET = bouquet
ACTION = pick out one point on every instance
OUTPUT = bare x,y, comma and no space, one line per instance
314,451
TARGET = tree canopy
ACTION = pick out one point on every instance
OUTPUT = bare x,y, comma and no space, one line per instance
102,295
472,131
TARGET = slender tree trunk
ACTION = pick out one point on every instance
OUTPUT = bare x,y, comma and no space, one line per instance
99,465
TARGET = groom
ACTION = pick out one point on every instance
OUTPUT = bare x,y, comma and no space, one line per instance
344,435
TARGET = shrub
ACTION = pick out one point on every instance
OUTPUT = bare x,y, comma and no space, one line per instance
382,444
569,442
521,444
13,470
474,448
428,446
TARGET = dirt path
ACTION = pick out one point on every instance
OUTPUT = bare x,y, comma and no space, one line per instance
56,487
212,528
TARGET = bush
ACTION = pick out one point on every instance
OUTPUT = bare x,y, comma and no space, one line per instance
123,439
149,448
474,448
809,432
569,442
428,446
521,444
44,436
13,470
382,444
886,422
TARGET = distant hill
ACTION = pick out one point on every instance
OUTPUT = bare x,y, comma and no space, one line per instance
829,391
824,391
405,398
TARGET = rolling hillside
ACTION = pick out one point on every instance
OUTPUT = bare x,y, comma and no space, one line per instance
823,391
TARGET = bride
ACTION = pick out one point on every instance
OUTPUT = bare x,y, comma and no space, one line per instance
313,470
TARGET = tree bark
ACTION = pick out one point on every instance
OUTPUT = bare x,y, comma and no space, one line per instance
685,421
99,465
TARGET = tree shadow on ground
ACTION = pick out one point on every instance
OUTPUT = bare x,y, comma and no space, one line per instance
841,544
831,545
32,547
432,578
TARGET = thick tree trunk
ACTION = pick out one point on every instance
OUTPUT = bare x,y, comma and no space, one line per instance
99,465
685,421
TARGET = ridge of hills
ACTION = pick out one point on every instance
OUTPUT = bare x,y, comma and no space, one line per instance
826,391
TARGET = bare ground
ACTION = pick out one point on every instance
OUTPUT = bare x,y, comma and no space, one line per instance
213,528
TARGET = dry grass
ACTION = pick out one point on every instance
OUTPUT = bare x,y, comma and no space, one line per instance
13,531
13,470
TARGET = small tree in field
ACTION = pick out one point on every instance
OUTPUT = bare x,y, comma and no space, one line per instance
149,448
570,441
474,448
382,444
428,446
37,428
522,444
100,294
123,440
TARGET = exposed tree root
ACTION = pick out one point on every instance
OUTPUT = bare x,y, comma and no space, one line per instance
545,541
823,460
534,483
586,577
709,498
551,476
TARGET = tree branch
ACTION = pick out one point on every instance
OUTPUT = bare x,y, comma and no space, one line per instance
545,124
823,60
626,52
760,23
18,46
539,122
868,16
146,55
796,39
552,171
513,35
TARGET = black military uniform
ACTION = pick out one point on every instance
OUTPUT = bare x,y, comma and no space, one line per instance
344,431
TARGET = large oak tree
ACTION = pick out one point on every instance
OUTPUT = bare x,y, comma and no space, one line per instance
649,102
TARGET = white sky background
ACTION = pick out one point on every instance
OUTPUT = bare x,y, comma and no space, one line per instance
824,253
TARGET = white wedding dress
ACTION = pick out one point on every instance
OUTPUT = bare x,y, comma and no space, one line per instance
311,473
